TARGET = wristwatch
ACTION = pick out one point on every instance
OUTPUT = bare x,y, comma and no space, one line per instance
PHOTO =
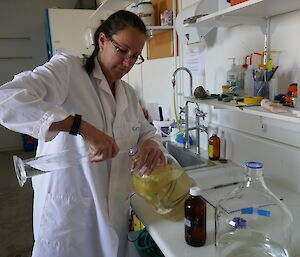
76,125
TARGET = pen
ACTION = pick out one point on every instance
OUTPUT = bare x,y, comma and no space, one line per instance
225,185
272,73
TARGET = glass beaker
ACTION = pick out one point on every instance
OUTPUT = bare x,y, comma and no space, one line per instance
43,164
165,188
252,221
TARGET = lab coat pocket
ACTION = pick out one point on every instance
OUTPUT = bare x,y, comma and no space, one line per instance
65,220
127,135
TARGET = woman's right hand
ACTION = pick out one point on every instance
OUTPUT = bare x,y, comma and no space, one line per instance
101,145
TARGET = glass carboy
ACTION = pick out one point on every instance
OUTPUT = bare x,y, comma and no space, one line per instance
252,221
165,188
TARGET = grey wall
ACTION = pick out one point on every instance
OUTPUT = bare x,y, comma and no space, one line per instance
22,45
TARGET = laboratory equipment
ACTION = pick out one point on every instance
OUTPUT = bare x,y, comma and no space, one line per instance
214,147
165,188
233,76
43,164
252,221
195,218
222,147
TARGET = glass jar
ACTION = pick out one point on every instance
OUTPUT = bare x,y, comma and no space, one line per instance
252,221
165,188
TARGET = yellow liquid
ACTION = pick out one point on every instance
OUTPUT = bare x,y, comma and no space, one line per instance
164,188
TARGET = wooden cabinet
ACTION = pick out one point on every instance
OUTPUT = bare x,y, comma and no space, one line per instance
164,42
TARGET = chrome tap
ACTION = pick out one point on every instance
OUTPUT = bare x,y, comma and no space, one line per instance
191,78
199,114
198,127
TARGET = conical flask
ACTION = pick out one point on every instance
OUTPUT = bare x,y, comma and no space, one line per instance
43,164
252,221
165,188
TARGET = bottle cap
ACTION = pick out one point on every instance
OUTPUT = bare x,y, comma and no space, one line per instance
239,222
195,191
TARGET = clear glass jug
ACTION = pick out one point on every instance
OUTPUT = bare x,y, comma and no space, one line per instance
252,221
43,164
165,188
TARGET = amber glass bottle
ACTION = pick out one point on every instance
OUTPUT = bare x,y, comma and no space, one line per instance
214,147
195,218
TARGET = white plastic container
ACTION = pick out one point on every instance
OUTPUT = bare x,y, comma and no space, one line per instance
133,8
145,11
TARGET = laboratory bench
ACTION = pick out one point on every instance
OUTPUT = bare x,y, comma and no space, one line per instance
168,233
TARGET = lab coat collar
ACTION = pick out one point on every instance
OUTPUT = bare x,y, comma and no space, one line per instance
121,98
98,74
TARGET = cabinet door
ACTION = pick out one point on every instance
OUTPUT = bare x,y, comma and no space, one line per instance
161,45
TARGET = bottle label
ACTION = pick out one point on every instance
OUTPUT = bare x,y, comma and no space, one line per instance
194,222
210,151
187,222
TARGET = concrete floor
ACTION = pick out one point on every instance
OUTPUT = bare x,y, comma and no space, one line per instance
16,238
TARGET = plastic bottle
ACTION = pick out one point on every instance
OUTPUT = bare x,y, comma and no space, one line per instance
222,148
165,188
232,76
249,81
214,147
195,218
240,79
252,221
145,11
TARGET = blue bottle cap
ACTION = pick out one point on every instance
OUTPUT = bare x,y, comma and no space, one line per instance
238,222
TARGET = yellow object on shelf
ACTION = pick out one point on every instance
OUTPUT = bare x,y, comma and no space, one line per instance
253,100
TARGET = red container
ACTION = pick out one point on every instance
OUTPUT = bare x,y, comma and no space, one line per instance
234,2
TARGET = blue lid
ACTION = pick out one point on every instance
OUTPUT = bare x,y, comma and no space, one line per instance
254,165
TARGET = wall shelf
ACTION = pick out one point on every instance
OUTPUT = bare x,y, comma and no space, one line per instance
251,12
153,30
254,110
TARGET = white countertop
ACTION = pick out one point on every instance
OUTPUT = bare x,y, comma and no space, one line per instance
169,234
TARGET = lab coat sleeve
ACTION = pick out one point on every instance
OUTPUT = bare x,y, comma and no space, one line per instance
29,104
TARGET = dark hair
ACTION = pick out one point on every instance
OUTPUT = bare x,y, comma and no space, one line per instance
114,23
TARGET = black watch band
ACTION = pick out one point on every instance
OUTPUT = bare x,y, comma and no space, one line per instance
76,124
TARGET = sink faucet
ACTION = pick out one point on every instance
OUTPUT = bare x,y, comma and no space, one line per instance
199,114
191,78
198,127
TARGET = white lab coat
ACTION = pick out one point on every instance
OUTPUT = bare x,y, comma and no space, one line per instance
83,210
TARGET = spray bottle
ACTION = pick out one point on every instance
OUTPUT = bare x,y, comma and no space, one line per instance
232,76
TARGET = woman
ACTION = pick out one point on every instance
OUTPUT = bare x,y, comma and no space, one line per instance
83,210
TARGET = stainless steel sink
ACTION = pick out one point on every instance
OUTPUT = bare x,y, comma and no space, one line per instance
187,159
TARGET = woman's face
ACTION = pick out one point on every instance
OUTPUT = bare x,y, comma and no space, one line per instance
118,54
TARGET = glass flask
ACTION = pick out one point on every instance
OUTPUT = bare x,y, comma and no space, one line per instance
43,164
252,221
165,188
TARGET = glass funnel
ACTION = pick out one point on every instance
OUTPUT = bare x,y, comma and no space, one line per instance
43,164
252,221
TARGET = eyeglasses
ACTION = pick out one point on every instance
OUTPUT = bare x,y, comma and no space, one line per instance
138,58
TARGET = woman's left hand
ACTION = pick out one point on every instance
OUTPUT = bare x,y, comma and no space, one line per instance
151,155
